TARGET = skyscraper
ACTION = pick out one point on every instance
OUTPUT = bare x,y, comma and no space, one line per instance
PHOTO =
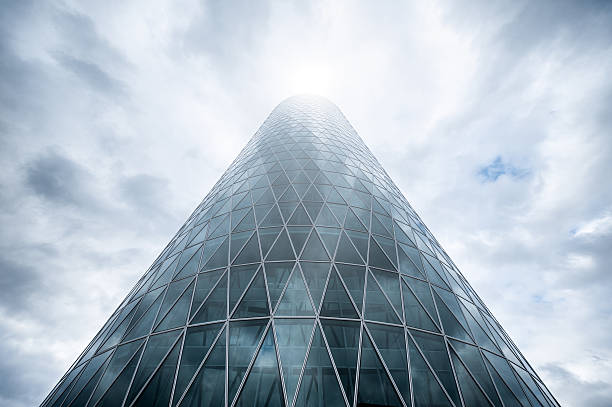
303,278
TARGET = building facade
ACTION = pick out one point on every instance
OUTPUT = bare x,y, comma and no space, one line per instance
304,278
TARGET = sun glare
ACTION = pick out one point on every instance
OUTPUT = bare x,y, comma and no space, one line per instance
311,78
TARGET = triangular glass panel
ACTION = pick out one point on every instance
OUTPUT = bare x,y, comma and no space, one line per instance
198,342
254,303
127,354
190,268
319,386
360,240
263,385
165,275
343,341
295,301
282,248
377,307
313,209
389,282
403,234
250,253
315,275
353,222
433,276
116,393
298,236
329,236
363,215
266,238
279,190
289,196
215,306
451,326
378,227
244,202
414,256
205,283
243,341
423,292
406,265
337,302
277,275
204,389
177,316
346,253
416,316
301,189
299,217
375,388
219,259
313,195
479,333
427,391
531,388
210,247
334,197
326,218
470,356
421,243
378,258
287,208
240,277
472,394
314,250
247,223
388,246
159,389
237,216
301,178
354,280
261,211
390,342
435,351
453,304
222,229
505,393
145,323
82,389
175,289
339,211
292,337
503,369
273,218
237,242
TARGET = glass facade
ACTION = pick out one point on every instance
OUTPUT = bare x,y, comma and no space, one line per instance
304,278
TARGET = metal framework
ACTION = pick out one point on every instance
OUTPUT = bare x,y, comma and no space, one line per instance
303,278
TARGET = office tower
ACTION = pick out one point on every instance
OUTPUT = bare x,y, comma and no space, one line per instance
303,278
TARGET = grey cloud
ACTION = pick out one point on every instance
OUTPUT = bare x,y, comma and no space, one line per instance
596,393
58,179
227,33
82,38
92,74
145,193
17,283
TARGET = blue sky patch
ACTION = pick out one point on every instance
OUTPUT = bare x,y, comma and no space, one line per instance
497,168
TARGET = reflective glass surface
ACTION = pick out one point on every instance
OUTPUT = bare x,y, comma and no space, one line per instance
303,278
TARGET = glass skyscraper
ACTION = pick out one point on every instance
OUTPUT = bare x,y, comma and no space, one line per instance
304,278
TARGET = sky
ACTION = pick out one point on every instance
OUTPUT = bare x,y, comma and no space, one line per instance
494,118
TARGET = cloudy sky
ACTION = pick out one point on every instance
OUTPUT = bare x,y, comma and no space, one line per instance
494,119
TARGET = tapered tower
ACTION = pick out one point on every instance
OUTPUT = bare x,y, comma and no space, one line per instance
304,278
